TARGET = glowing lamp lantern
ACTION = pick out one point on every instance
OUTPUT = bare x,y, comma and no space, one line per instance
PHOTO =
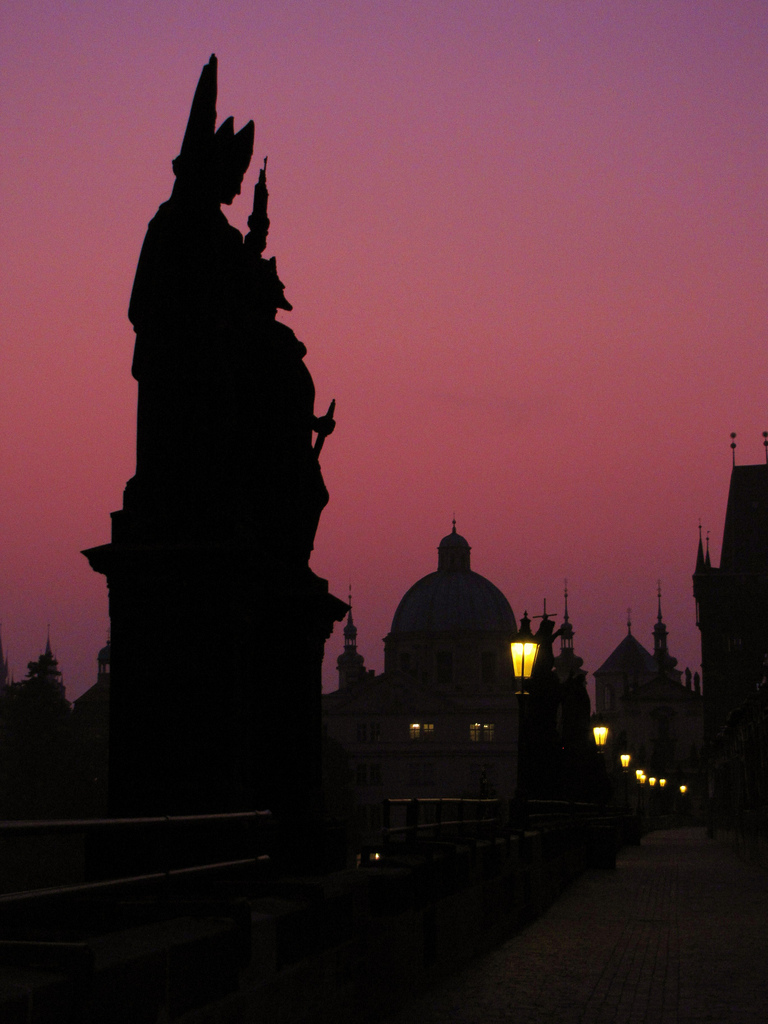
601,735
525,648
638,773
683,790
662,783
652,781
625,759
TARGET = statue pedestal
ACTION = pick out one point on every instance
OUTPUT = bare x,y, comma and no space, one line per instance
215,689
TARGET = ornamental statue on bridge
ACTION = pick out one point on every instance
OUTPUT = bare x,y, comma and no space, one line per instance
208,566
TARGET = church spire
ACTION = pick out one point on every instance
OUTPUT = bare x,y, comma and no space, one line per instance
659,630
700,564
350,630
566,630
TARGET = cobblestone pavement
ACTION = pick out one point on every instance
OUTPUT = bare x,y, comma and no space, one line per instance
676,935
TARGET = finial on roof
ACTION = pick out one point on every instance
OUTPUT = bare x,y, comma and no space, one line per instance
48,650
765,444
629,621
565,595
453,523
733,447
700,565
706,560
658,591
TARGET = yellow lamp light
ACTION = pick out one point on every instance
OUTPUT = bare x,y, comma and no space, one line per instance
642,778
662,782
683,789
638,773
625,759
525,647
652,781
601,734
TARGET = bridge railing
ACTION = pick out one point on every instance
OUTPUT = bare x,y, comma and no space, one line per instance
76,853
433,817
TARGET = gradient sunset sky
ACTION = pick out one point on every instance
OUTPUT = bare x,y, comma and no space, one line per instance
526,247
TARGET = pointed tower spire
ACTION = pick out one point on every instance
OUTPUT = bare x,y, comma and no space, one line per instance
659,630
700,564
350,664
566,630
350,630
48,650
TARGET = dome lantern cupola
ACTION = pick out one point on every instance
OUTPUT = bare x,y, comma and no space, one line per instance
453,553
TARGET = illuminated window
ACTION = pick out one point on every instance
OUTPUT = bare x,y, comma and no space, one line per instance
422,730
481,732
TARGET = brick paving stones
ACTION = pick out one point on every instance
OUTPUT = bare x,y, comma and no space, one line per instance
677,934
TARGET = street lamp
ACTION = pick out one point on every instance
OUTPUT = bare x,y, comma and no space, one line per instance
625,759
525,648
600,733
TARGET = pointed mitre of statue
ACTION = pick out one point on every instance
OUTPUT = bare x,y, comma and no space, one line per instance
196,149
235,149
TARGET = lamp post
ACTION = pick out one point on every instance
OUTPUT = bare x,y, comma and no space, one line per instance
525,649
600,732
625,759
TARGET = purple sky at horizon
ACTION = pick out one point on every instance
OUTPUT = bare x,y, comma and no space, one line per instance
526,248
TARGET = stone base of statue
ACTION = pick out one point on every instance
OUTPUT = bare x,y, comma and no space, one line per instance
216,657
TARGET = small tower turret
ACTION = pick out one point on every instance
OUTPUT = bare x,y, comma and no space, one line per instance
350,664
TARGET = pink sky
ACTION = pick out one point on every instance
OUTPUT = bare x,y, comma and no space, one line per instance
526,247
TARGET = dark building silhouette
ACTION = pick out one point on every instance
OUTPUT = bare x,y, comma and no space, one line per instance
652,711
442,719
732,600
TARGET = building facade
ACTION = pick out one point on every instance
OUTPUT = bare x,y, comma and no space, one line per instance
441,720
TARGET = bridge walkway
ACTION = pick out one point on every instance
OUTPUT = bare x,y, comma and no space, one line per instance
677,934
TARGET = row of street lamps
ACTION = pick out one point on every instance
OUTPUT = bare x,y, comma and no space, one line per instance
525,650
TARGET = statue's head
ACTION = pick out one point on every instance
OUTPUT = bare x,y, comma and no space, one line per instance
231,156
212,163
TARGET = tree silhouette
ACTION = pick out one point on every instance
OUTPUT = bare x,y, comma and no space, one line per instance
36,762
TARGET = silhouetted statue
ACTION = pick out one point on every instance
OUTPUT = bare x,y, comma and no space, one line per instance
218,624
226,402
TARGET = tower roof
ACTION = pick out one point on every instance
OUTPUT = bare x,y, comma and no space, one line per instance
629,658
745,535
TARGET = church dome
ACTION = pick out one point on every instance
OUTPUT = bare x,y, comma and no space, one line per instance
454,597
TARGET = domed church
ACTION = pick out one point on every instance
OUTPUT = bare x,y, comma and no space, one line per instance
452,629
441,720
